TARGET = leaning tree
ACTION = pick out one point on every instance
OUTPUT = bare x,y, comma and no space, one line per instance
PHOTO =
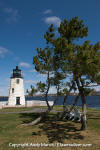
63,56
44,62
82,61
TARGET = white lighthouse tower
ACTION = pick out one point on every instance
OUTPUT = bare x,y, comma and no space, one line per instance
16,93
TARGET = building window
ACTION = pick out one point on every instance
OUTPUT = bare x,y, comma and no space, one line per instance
12,90
17,81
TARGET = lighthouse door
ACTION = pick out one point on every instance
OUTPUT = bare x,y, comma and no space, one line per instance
17,100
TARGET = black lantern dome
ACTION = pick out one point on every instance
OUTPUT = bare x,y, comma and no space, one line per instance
16,73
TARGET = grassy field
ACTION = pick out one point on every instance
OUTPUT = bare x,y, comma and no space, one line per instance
19,109
48,131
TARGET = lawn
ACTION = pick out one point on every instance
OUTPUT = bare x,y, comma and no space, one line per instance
18,109
48,131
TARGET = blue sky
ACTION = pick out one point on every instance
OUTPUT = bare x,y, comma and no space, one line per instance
23,24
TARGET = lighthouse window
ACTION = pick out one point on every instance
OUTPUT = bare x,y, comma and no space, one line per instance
17,81
12,90
17,100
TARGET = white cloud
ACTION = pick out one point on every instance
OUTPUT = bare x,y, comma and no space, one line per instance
24,64
42,75
31,81
53,20
3,51
48,11
33,70
52,90
12,15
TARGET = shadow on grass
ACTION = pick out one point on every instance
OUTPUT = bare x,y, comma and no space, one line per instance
29,117
54,130
93,116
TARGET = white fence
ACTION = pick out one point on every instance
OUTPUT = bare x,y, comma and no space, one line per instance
28,103
37,103
3,104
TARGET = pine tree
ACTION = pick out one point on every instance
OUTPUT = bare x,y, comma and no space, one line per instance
82,61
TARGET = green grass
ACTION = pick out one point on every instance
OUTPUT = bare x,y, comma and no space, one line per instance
18,109
58,107
48,131
94,119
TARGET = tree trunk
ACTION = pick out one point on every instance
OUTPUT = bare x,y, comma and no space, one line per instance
83,117
75,101
65,109
81,91
64,103
37,120
43,115
46,99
